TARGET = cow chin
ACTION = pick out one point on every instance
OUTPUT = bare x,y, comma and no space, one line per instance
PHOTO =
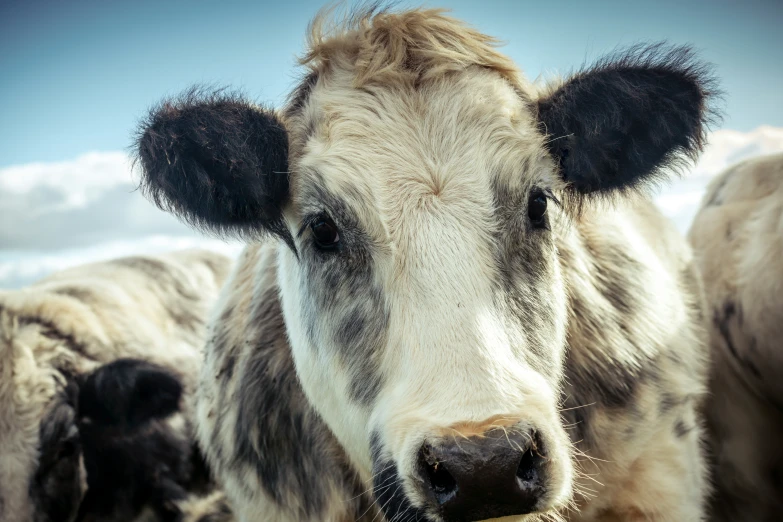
514,472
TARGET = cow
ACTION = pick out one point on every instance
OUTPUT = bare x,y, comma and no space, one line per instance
737,240
457,301
138,448
97,338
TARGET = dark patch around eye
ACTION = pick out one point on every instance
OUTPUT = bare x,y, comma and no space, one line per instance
322,205
343,297
525,258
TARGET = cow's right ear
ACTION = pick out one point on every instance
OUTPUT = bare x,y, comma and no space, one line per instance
218,162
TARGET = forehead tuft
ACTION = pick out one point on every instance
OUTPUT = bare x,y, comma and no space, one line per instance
381,47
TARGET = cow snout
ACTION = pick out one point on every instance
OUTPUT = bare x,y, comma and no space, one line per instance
500,473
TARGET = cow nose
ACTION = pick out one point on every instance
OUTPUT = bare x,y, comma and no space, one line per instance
495,475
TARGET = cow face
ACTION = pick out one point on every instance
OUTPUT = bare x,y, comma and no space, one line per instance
421,187
426,284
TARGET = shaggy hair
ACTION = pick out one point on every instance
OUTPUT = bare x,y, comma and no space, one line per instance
388,48
58,330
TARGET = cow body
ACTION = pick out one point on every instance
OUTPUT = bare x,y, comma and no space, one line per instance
469,311
57,331
736,237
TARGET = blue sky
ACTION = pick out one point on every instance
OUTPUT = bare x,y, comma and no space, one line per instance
76,75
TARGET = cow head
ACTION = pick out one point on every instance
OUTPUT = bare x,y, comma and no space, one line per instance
420,186
137,449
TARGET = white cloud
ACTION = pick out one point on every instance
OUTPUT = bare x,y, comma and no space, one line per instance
49,206
20,268
55,215
79,177
727,147
680,200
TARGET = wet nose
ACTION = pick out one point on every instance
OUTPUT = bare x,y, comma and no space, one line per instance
494,475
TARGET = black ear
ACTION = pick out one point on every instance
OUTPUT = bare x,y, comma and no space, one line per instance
625,120
217,161
129,392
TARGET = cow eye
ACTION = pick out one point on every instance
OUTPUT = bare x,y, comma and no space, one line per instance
536,209
325,233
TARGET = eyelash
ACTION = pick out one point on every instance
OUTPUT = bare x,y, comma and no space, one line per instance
547,192
308,221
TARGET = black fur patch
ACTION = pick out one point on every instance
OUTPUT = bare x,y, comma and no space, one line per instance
217,161
132,458
611,386
387,487
620,123
603,380
277,432
55,489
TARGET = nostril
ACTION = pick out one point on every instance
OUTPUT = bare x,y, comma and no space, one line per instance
442,482
526,472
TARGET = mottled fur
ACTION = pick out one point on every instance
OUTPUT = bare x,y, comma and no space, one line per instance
737,237
55,331
446,310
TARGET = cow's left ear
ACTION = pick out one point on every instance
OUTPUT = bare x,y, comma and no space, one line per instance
621,122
